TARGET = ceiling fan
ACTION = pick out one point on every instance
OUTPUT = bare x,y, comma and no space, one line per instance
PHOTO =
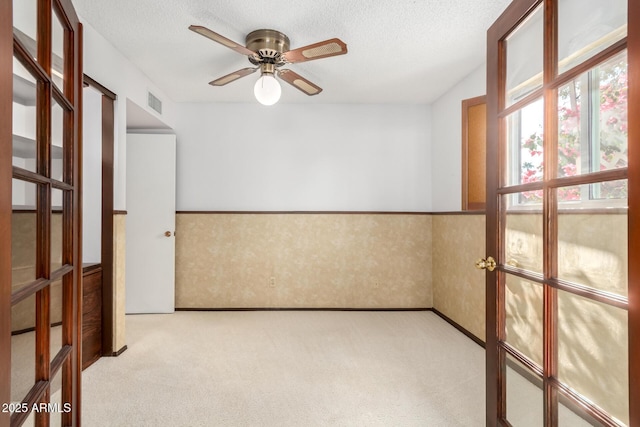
269,50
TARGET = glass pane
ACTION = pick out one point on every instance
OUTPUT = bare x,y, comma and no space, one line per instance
612,134
524,318
57,408
56,229
592,247
57,52
30,421
25,23
23,234
24,118
592,120
23,348
525,145
524,395
614,192
586,27
57,140
56,318
523,235
570,418
609,194
524,58
593,352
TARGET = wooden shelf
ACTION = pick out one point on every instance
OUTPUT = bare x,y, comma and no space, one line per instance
24,91
25,87
25,148
32,209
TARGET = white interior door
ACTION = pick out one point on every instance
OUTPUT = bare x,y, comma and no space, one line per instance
151,208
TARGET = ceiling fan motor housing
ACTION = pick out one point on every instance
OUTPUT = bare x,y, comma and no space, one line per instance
269,45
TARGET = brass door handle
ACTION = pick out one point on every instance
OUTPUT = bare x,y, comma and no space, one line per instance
489,264
167,234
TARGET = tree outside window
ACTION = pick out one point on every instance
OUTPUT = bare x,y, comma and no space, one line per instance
592,134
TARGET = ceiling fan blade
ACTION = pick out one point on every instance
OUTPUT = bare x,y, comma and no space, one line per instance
232,77
204,31
299,82
331,47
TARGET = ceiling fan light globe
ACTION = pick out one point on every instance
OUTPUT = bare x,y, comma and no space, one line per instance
267,90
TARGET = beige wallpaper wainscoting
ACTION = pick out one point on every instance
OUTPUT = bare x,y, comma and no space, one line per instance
119,257
592,251
23,255
592,337
303,260
23,262
458,287
23,267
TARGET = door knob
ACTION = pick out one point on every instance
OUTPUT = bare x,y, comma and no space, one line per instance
489,264
167,233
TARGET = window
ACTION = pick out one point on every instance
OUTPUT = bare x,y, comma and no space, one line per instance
592,135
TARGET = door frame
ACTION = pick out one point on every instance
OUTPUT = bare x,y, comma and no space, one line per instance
6,209
633,52
495,367
106,250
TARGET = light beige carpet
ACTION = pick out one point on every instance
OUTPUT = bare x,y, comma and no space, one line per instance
288,368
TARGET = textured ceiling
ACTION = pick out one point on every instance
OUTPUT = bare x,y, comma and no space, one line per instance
400,51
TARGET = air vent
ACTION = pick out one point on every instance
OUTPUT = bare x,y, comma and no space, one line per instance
154,103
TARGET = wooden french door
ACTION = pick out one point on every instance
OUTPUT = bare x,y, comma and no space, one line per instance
563,203
40,195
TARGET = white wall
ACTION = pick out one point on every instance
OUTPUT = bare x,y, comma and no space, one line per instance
293,157
23,120
92,176
109,67
446,168
304,157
